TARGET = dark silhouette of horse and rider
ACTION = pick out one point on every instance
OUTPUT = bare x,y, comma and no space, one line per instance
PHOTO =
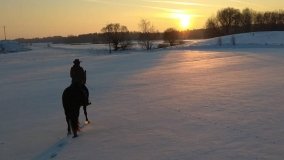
75,96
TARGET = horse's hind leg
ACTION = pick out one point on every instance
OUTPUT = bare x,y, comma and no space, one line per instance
86,114
74,126
68,121
75,120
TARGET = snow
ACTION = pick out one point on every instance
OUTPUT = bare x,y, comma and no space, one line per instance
244,40
214,104
9,46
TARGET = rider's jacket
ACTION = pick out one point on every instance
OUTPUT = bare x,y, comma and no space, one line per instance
77,74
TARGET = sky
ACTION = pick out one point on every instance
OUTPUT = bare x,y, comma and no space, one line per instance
43,18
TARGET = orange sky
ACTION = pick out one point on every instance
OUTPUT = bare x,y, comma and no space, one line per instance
41,18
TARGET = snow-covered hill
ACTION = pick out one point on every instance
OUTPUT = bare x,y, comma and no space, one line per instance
253,39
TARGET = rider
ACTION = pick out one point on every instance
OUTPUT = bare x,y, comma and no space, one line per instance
77,73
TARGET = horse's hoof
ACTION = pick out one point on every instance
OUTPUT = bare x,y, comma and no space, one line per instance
75,136
87,122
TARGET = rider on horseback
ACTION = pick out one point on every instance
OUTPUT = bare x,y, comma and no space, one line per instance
78,75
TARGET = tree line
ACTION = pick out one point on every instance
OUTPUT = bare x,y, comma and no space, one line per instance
98,38
118,37
231,21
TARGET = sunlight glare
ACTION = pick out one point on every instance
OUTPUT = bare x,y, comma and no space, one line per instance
184,19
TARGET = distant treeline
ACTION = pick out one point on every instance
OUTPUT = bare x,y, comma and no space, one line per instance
232,21
98,38
227,21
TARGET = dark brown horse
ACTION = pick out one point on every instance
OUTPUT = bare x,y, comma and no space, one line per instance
73,98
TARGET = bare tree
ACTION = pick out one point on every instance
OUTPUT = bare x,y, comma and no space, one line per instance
116,36
258,18
281,17
228,18
171,35
264,21
232,21
107,32
146,36
212,27
125,40
247,19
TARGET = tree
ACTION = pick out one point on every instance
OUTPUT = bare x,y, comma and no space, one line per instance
125,38
212,27
116,36
247,19
232,21
229,18
281,17
171,35
146,35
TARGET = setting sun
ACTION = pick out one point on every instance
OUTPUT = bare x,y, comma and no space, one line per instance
184,20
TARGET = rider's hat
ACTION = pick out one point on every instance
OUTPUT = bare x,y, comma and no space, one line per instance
76,61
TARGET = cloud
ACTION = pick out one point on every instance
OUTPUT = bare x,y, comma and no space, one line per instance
162,8
177,3
153,7
170,10
109,2
92,0
246,3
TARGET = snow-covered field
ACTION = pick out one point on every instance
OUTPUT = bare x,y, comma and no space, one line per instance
222,104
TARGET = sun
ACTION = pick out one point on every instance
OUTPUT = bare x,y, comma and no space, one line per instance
184,21
183,18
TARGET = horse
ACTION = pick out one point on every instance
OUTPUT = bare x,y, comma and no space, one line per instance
73,98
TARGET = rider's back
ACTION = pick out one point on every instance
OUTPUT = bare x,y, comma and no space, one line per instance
77,74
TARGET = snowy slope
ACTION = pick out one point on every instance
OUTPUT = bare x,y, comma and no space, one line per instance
167,104
253,39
